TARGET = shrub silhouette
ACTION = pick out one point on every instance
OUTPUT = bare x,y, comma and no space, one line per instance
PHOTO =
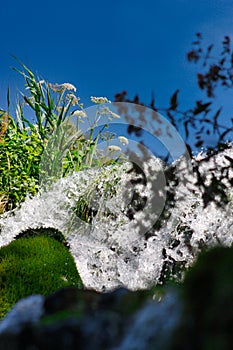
208,298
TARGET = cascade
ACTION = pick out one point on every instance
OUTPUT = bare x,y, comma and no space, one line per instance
109,251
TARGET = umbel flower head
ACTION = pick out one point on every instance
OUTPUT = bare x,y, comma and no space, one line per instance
123,140
79,114
114,148
62,87
100,100
74,99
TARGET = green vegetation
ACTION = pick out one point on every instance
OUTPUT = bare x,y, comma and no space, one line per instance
92,202
42,138
34,265
208,303
20,155
49,231
49,145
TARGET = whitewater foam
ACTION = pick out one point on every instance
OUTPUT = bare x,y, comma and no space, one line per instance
111,251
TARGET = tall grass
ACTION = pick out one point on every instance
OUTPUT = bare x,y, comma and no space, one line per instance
38,138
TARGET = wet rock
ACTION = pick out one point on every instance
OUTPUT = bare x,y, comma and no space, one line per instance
88,320
26,311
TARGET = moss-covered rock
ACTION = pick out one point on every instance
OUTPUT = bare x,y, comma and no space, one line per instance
48,231
34,265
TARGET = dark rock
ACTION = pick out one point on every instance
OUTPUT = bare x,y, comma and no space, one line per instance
88,320
26,311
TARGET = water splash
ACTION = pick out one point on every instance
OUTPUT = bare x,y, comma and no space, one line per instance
110,252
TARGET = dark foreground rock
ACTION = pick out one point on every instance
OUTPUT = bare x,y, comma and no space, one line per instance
76,319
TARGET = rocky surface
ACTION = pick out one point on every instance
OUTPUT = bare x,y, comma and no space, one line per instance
74,319
27,311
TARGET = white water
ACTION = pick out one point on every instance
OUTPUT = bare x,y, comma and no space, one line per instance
114,252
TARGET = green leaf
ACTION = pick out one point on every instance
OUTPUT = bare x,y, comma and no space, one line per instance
8,98
29,102
173,101
201,107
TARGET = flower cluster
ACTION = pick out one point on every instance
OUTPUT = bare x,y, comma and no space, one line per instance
114,148
100,100
79,114
74,99
62,87
123,140
107,112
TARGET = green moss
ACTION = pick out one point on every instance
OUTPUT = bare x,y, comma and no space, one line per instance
34,265
49,231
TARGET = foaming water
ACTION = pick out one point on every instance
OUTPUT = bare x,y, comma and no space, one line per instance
110,251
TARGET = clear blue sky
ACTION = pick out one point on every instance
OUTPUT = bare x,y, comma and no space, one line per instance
104,47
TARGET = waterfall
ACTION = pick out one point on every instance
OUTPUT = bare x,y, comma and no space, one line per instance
109,251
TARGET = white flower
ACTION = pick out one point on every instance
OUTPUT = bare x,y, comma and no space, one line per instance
105,111
123,139
56,87
69,86
74,99
79,114
61,110
62,87
100,100
114,148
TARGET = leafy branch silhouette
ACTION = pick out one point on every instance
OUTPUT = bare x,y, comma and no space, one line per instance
204,118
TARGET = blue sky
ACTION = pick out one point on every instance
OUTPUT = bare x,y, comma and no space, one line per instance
105,47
